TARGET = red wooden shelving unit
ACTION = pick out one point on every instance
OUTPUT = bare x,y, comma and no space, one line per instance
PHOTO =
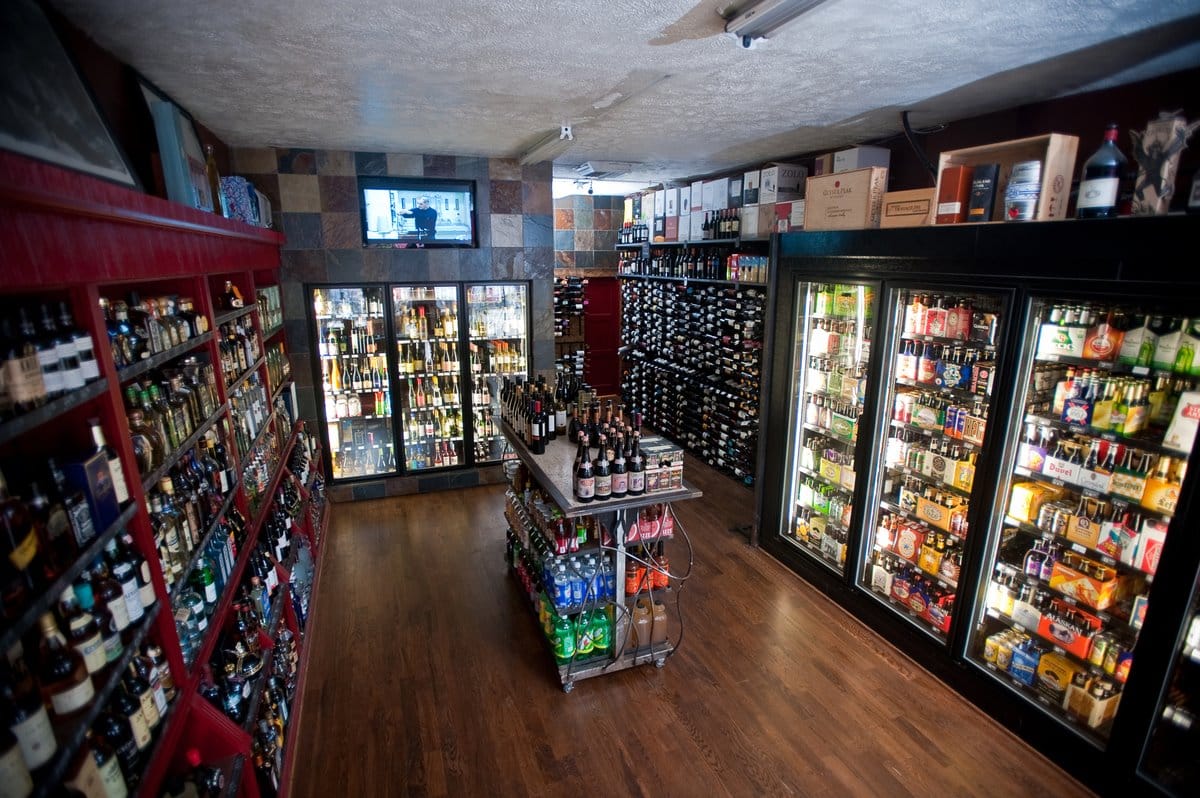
65,235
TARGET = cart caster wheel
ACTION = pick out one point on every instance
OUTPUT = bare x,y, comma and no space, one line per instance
568,687
661,661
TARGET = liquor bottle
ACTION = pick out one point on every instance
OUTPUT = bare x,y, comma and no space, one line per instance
107,765
117,735
603,472
23,379
585,479
63,677
83,631
56,540
23,713
139,689
47,355
1100,179
70,370
120,486
15,781
20,558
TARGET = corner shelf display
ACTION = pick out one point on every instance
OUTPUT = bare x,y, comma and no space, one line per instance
832,349
499,347
1099,454
692,327
941,361
597,574
356,392
128,452
429,369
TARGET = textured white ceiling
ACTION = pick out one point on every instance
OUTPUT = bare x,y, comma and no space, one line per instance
656,82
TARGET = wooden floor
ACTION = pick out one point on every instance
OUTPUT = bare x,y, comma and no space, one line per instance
429,676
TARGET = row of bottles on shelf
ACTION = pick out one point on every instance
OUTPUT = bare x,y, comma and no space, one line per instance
946,316
537,413
44,692
427,357
250,409
813,529
42,362
441,322
498,357
569,302
1119,335
350,337
352,374
347,304
914,589
633,233
945,509
618,467
697,263
261,464
933,412
941,460
183,506
145,327
839,417
196,594
1106,467
951,367
935,552
497,311
373,455
429,392
240,347
843,301
166,407
435,423
279,366
840,339
1122,405
270,306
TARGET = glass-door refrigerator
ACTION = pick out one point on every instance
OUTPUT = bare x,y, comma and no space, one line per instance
498,348
351,344
430,412
938,370
1091,478
831,348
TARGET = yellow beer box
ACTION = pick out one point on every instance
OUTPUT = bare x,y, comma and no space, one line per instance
1098,593
1028,497
830,470
1055,673
935,514
964,475
1160,495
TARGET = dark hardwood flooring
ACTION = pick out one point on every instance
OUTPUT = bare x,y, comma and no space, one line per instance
428,676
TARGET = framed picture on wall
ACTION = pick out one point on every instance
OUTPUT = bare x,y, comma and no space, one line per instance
179,148
46,110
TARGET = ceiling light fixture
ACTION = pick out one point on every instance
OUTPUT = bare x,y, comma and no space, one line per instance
761,19
550,147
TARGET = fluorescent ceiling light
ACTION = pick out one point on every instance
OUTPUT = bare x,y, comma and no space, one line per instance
550,147
761,19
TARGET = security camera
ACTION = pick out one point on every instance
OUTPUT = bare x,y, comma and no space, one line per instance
591,189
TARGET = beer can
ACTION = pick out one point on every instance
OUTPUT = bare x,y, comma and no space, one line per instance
1100,643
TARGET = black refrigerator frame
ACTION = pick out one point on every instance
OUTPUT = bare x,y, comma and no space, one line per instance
393,376
1115,260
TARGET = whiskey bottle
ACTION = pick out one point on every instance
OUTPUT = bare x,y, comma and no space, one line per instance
120,486
20,559
15,781
23,713
63,677
83,631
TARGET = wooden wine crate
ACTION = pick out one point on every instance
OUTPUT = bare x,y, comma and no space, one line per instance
1056,151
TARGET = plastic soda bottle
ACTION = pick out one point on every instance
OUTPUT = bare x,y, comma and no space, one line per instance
601,632
584,644
564,640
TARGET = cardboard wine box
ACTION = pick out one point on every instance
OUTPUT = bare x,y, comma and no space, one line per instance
907,208
789,216
845,200
861,158
779,182
750,188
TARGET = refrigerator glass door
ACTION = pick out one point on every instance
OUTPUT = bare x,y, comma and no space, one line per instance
939,371
1091,479
352,347
499,348
1170,759
831,346
429,373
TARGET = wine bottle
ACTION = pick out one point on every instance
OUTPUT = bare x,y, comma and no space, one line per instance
1100,180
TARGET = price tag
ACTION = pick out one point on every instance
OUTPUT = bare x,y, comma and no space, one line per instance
1091,494
1069,600
943,584
1051,358
1058,482
1018,627
1109,561
1043,700
1060,650
991,613
1077,548
1140,370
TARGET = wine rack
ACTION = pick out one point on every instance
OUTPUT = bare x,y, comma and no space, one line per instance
692,350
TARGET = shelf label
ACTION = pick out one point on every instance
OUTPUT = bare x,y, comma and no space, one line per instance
1078,548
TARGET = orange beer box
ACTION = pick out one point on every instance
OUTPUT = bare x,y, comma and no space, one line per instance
1065,637
1088,582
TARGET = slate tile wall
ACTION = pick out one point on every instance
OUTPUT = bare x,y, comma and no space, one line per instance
314,196
585,232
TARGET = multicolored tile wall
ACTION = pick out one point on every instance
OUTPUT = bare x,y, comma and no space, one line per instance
314,196
585,232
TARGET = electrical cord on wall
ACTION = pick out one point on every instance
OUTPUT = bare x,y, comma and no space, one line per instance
912,142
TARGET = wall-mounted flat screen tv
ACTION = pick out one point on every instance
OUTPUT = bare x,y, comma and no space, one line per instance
417,212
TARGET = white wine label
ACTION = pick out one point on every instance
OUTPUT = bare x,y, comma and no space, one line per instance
120,486
112,780
140,728
210,593
120,613
36,738
160,699
73,698
48,362
1098,193
92,651
14,776
149,708
133,599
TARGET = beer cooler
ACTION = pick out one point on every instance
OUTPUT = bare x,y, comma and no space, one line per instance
988,459
411,372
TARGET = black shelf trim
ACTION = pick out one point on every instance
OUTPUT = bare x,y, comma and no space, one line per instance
1078,548
1106,435
49,597
155,475
672,279
1038,476
232,315
154,361
253,367
27,422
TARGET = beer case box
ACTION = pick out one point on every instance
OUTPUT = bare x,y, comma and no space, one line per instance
1087,708
1066,638
1055,674
781,181
1148,549
846,200
1023,665
1054,339
1027,499
912,208
1181,432
735,193
716,194
789,216
1056,151
1096,593
1025,614
934,513
861,158
750,188
1137,615
1084,531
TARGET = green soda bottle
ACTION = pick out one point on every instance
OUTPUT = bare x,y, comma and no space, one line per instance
564,640
601,636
